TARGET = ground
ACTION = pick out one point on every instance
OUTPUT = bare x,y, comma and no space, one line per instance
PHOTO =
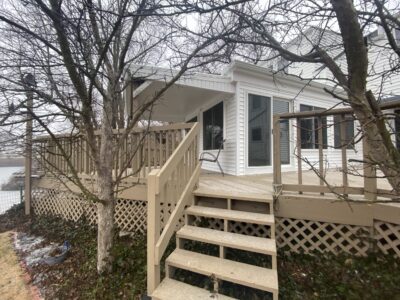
300,276
12,283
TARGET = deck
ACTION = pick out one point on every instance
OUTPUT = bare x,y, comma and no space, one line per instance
263,184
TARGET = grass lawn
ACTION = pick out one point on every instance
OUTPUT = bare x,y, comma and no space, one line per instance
300,276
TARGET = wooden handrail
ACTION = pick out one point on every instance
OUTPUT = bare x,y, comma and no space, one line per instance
137,153
332,112
173,126
369,190
173,160
171,186
173,220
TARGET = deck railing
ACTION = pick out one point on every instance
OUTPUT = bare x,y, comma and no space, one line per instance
369,190
169,191
139,152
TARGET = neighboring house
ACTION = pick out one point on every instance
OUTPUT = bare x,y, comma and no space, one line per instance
238,105
383,72
383,75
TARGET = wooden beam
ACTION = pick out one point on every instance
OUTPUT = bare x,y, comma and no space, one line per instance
333,112
370,181
343,144
322,189
277,150
298,148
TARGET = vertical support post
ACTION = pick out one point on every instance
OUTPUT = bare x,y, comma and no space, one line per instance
153,232
128,98
298,146
343,145
370,184
21,194
277,150
28,154
320,151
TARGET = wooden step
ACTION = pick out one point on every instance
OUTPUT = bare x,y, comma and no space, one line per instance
233,215
170,289
236,272
228,239
204,192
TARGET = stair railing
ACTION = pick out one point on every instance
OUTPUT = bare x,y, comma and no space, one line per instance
169,191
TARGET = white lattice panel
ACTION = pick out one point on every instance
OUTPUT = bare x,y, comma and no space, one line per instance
308,236
387,236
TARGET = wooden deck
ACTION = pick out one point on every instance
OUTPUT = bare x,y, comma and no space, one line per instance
263,184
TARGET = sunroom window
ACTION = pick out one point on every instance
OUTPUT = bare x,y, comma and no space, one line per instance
213,127
309,129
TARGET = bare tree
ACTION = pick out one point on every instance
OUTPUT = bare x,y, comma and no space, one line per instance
80,52
279,24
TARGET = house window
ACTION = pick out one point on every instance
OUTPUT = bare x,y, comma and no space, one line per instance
309,129
256,134
256,103
349,130
213,127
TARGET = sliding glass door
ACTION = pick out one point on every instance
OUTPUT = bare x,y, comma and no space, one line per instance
259,131
260,110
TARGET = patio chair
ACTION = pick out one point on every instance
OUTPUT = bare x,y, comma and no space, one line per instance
213,158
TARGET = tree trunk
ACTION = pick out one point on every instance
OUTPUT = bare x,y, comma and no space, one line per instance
383,154
105,215
105,208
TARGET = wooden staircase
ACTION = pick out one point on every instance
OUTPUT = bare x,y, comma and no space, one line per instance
227,211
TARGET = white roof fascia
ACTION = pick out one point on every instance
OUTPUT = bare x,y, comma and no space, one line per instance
205,81
254,69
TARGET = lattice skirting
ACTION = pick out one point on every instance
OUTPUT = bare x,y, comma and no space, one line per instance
130,215
307,236
295,235
387,236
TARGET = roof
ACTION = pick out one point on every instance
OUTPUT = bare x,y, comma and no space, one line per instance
192,79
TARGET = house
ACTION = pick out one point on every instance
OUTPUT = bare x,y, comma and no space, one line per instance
383,78
270,128
237,106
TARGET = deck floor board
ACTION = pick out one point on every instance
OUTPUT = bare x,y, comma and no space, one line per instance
262,184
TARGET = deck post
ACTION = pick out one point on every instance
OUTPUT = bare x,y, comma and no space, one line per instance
28,155
276,150
343,144
321,152
153,232
370,182
299,161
